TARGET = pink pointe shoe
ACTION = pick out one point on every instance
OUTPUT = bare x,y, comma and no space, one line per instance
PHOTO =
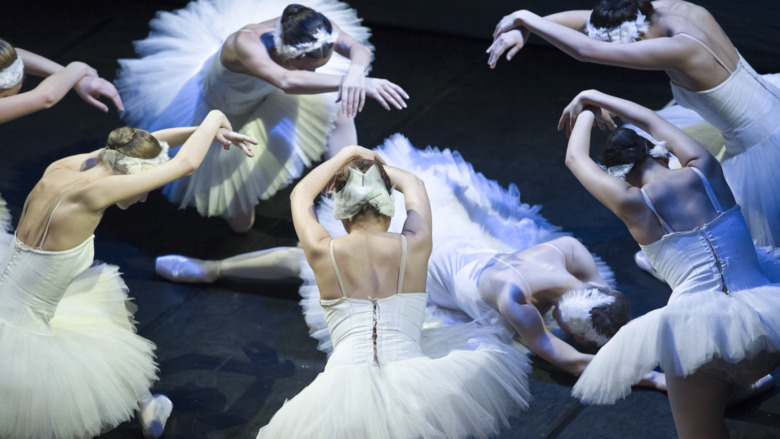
178,268
154,415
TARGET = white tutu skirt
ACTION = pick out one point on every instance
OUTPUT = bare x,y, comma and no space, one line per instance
5,223
83,378
707,331
468,386
178,79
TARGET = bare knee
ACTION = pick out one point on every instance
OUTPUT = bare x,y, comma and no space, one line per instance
242,222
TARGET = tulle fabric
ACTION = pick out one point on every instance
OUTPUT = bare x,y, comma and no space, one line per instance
732,335
84,372
467,386
178,78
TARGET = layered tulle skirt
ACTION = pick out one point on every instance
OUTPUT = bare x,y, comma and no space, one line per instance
86,374
467,384
734,337
178,79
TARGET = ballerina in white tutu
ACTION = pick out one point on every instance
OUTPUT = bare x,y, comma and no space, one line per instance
73,365
262,76
15,63
707,74
379,382
719,331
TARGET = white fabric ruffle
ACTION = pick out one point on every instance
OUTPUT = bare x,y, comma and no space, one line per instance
87,375
466,386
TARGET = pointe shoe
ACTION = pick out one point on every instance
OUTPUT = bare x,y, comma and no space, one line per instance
154,415
177,268
748,391
644,264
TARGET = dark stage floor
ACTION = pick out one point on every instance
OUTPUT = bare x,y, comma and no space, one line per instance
232,352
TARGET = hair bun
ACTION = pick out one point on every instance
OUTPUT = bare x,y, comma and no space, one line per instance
120,137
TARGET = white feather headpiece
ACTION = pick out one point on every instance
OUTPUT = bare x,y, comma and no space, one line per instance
627,32
575,307
12,75
362,189
620,171
321,38
122,164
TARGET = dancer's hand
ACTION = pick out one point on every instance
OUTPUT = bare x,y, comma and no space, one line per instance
507,23
512,40
603,119
386,93
93,87
352,91
227,137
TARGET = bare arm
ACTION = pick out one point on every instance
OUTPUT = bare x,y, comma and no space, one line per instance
311,234
114,188
90,88
688,150
528,323
652,54
418,222
50,91
254,57
612,192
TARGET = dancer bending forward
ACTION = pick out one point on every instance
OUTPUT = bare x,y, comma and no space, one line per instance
262,76
707,74
73,365
718,332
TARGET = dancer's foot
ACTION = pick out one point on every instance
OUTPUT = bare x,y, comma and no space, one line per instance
644,264
153,416
750,390
177,268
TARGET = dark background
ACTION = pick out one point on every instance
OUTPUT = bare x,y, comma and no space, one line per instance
230,353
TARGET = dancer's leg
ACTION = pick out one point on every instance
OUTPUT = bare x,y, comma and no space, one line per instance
270,264
344,133
241,222
698,402
153,413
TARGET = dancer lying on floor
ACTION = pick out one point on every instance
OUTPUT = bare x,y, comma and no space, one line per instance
719,332
294,79
73,365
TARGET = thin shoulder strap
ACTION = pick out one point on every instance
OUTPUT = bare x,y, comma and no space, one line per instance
707,48
336,267
649,203
48,223
556,249
403,264
708,189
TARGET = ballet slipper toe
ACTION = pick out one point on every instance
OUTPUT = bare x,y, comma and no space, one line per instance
644,264
759,387
177,268
154,416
